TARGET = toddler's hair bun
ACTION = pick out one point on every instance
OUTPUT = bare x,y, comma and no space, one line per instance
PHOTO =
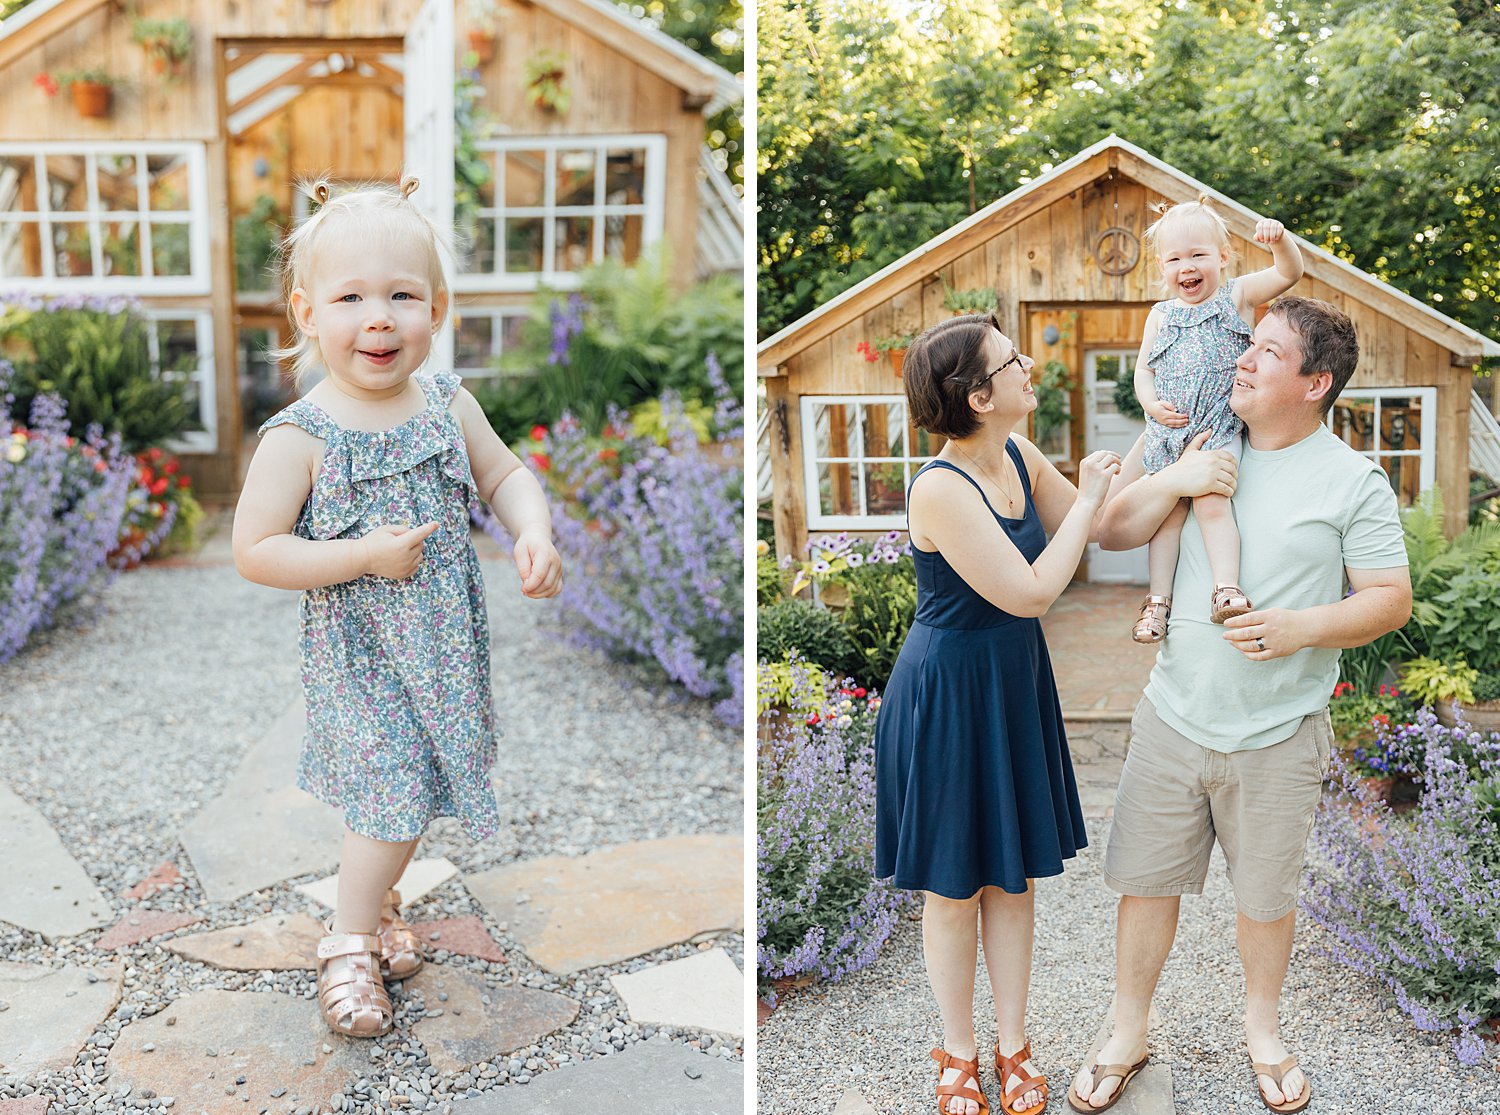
409,184
321,190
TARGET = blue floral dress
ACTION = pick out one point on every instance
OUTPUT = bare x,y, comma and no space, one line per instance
400,718
1193,361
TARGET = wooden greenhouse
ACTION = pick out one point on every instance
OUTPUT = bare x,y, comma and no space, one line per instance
1073,285
594,144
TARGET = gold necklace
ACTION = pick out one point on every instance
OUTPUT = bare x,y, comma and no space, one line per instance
1010,503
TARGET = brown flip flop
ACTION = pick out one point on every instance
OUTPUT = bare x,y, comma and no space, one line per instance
1277,1073
1099,1072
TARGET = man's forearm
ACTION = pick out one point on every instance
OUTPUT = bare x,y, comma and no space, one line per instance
1133,515
1357,619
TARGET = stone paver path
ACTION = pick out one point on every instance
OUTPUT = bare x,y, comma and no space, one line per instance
1100,671
704,992
42,887
50,1012
420,877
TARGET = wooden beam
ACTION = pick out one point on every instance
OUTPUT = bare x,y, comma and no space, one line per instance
292,76
656,58
47,25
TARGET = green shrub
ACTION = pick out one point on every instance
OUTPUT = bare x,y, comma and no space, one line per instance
1455,588
1487,688
882,605
95,355
770,580
811,630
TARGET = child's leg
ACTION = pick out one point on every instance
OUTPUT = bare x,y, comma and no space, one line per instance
1161,557
1221,538
366,870
410,852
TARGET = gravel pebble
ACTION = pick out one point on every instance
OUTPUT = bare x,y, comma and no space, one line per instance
118,762
872,1031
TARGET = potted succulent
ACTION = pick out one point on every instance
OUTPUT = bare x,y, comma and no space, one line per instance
547,81
977,300
90,89
895,347
482,18
168,44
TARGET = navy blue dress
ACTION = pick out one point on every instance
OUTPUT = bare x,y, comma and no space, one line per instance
973,783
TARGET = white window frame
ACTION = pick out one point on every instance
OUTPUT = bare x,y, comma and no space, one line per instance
195,218
496,315
652,207
1426,455
205,440
816,520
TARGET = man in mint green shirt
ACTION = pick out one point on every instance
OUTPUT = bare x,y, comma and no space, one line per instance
1231,740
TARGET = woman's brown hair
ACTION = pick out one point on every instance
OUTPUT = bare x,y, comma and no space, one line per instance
943,367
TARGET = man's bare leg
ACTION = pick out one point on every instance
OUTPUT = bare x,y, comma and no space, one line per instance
1265,952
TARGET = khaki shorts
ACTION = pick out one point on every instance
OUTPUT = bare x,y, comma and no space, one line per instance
1176,797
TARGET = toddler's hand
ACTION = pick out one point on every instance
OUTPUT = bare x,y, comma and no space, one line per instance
539,564
1268,232
395,552
1167,415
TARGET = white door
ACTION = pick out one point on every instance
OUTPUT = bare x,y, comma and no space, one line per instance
1106,428
428,118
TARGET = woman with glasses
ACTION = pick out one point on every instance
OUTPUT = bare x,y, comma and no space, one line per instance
975,794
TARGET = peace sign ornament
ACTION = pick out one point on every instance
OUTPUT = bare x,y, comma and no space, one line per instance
1117,250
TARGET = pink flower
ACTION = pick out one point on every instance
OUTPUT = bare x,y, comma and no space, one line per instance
865,349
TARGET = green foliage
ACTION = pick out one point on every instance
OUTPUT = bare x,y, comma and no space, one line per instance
628,337
171,38
716,30
1368,127
814,632
471,167
1366,667
882,605
1052,399
1487,689
1430,682
1126,402
99,361
93,76
779,685
257,236
980,300
1455,587
770,580
1354,713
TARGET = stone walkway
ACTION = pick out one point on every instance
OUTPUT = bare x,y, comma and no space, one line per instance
1100,671
565,969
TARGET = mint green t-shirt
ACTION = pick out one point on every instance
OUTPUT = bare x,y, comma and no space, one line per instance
1305,513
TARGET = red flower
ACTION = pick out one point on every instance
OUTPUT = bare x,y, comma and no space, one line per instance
538,432
812,719
541,460
171,467
608,454
1380,720
47,84
867,351
860,692
100,466
183,481
153,454
143,476
159,486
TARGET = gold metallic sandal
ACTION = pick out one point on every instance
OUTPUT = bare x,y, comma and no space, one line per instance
1152,626
350,990
400,952
1229,601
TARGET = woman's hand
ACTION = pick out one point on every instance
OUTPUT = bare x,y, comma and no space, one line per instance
1094,474
395,552
539,564
1165,413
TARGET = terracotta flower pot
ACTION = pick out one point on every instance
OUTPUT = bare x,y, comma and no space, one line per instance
1380,787
90,99
482,43
898,357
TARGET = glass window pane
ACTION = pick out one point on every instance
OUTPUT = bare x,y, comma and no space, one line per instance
485,191
177,350
836,492
20,250
625,177
523,244
479,253
885,492
883,422
525,178
171,252
1107,367
1401,424
122,248
119,191
836,427
71,253
1406,478
623,235
1354,422
575,177
511,326
472,340
67,185
167,182
18,184
574,243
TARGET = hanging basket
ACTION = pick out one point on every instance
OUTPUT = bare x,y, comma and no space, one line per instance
90,98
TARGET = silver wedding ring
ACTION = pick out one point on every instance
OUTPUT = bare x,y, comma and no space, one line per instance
1260,644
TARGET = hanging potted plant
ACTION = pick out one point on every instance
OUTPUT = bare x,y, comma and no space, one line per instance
979,300
90,90
547,81
483,15
895,347
168,43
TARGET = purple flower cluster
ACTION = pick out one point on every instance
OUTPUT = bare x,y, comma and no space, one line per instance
651,542
1413,902
61,504
106,304
567,323
819,910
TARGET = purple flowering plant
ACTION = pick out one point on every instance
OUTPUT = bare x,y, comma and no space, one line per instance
820,913
62,500
650,537
1413,901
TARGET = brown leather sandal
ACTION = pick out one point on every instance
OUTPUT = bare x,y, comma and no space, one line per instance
1277,1073
1005,1068
1101,1073
350,990
400,952
1152,626
969,1069
1229,601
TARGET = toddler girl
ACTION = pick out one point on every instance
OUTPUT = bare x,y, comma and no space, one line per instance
359,496
1183,378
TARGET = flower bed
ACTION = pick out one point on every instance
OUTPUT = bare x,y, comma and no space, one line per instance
1413,900
647,520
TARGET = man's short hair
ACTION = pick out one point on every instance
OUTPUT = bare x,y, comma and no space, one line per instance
1327,338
